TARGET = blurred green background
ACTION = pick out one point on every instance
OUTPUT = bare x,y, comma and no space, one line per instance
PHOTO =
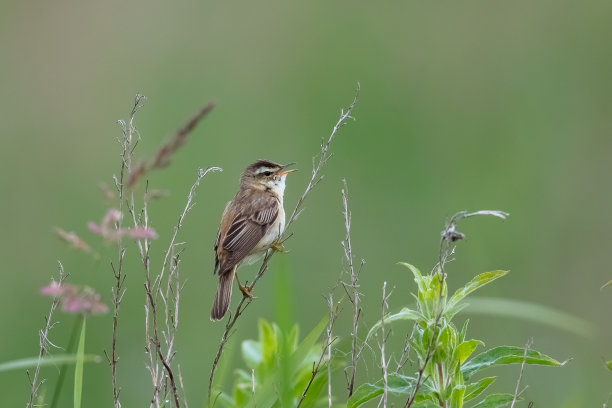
464,105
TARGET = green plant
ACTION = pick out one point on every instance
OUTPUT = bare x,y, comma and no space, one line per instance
444,352
280,368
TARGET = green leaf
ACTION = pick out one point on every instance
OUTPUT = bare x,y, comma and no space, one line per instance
268,340
532,312
465,349
609,365
425,404
456,397
464,330
496,401
267,394
47,361
475,389
396,384
506,355
404,314
304,348
251,353
78,368
418,277
478,282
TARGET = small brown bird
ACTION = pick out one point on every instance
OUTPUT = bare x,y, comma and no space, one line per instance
250,225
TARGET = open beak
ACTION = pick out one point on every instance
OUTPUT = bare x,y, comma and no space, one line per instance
282,171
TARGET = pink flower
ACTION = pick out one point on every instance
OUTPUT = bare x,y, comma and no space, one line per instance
108,230
53,289
141,232
73,239
86,302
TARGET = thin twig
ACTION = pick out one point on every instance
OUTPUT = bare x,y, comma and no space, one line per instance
127,149
405,356
518,381
352,290
170,297
44,342
383,358
314,180
334,311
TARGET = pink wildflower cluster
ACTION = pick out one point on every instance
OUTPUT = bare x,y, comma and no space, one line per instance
108,230
87,301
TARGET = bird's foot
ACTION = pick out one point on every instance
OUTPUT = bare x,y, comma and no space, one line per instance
278,246
246,290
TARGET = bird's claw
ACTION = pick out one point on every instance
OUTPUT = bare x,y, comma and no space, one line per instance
277,246
246,290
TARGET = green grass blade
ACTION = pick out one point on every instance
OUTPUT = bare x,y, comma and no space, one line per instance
533,312
58,360
78,368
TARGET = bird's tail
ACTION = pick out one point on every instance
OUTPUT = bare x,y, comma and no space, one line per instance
223,296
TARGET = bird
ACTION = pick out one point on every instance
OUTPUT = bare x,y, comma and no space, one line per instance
252,222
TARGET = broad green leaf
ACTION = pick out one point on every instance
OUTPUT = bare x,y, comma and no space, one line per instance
477,282
251,353
496,401
475,389
456,397
465,349
532,312
78,367
609,365
404,314
506,355
57,360
396,384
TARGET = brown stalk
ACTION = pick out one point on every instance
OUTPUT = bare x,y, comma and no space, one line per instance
164,155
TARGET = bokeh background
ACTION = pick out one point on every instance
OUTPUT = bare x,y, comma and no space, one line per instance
464,105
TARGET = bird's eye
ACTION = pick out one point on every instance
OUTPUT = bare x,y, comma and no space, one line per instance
267,173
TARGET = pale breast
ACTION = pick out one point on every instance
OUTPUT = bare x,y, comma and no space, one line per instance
274,232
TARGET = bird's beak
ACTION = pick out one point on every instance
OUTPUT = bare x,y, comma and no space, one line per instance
282,171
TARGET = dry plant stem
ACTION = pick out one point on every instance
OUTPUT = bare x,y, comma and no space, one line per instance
334,311
167,288
44,341
127,146
332,318
314,180
352,291
383,358
518,381
405,356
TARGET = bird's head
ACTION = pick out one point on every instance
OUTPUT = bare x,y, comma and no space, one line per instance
266,175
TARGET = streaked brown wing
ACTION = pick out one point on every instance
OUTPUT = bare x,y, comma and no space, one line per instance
246,230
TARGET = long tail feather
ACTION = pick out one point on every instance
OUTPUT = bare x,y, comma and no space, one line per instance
224,295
